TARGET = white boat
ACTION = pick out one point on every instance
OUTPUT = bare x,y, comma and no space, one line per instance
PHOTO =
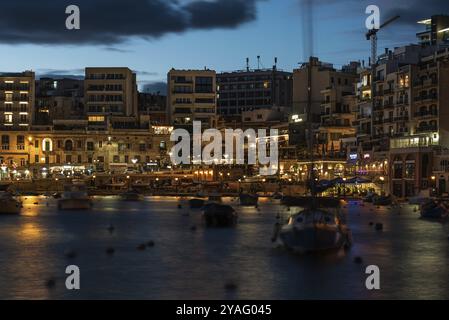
9,204
314,230
75,197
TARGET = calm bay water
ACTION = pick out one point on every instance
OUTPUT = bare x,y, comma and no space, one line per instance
412,254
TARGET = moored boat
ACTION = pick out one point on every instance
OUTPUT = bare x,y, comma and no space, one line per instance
248,200
433,209
9,204
75,197
219,215
196,203
131,196
315,229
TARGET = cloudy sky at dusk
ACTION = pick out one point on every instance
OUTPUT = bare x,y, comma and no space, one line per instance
153,36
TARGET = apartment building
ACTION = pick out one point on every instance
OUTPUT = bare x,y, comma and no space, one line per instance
109,92
17,94
436,31
154,106
192,97
336,128
58,99
412,154
241,91
323,76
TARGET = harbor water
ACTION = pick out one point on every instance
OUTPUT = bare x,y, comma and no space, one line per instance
190,261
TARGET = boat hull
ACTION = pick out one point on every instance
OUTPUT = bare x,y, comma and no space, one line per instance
437,213
74,204
10,207
132,197
219,216
312,238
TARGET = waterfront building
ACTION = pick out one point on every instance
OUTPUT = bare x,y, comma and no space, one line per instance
412,154
192,97
154,106
323,76
436,31
246,90
109,92
17,93
58,99
336,131
72,147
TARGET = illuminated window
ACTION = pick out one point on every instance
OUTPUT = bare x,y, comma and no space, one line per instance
8,97
96,119
8,118
47,145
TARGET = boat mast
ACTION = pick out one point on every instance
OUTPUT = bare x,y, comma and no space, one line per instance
310,130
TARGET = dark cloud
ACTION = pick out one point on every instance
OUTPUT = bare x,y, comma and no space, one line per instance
113,21
145,73
154,87
60,73
412,11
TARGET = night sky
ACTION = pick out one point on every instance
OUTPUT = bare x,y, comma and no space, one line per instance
153,36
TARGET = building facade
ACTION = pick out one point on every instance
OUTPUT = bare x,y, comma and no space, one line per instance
192,97
253,89
109,92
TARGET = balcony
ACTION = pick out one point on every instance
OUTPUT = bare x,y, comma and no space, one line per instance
429,97
378,121
388,120
402,102
426,129
378,106
379,79
388,105
401,118
426,114
183,111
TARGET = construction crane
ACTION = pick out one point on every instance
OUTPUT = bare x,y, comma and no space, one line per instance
372,35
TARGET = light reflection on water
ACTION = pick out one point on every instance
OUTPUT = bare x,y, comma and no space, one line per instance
412,254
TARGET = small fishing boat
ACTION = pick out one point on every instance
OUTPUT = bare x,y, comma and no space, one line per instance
75,197
315,229
434,210
9,204
248,200
219,215
196,203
